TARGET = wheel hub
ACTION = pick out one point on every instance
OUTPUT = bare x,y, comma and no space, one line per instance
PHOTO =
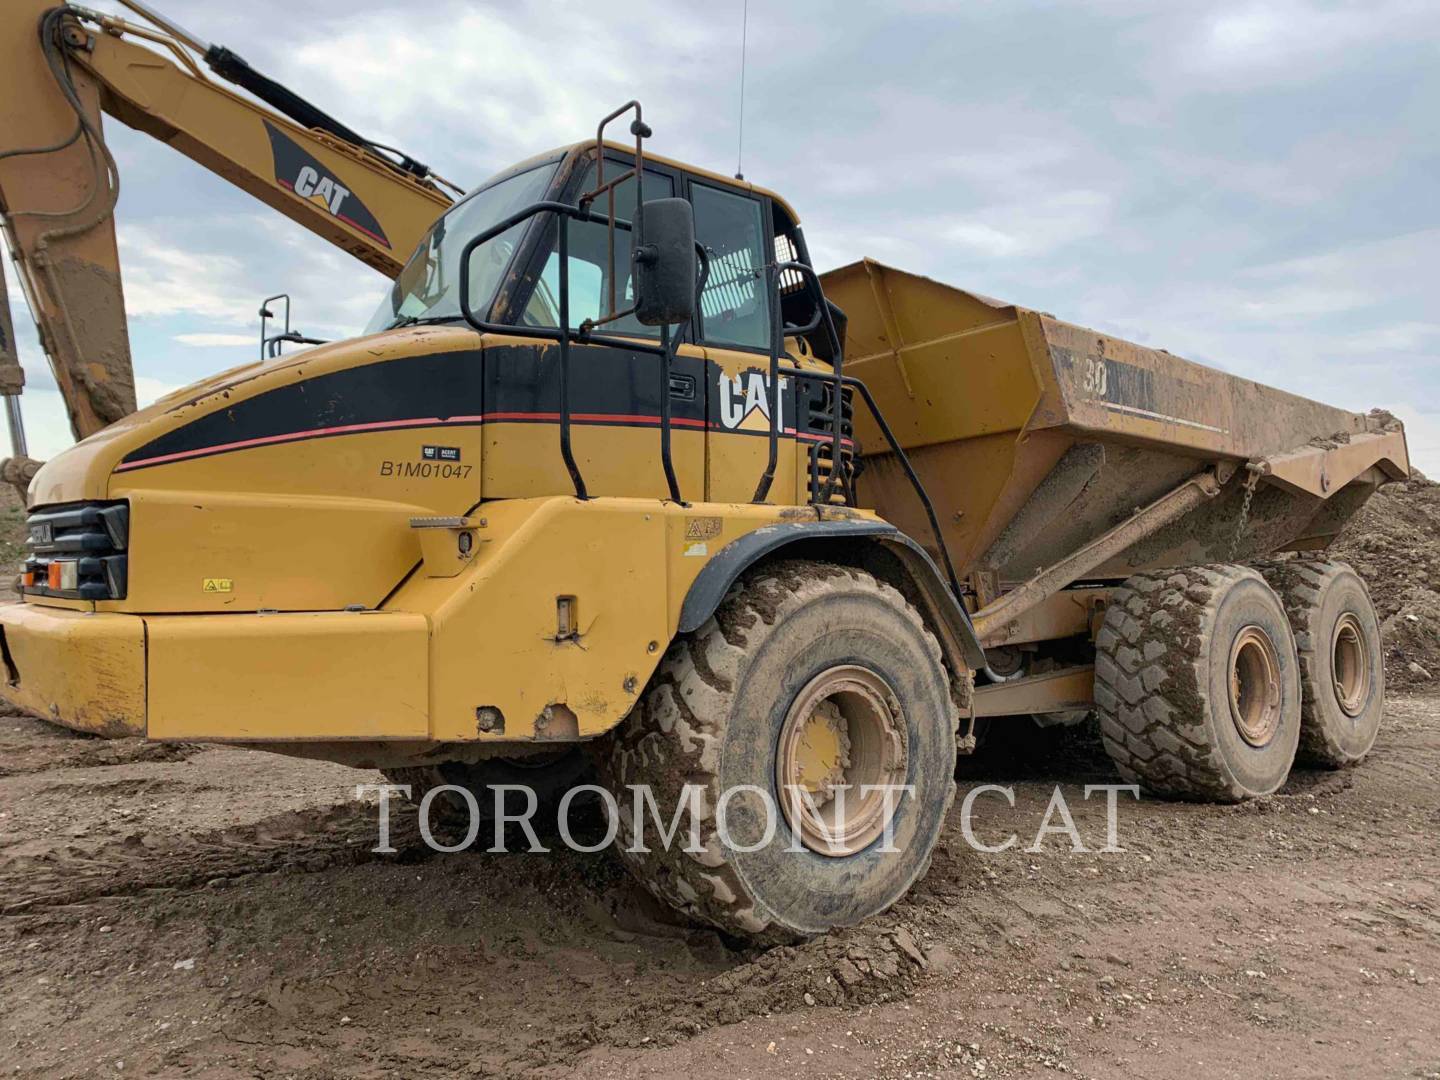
1255,686
843,738
1350,665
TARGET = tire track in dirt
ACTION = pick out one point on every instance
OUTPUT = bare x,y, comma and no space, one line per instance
313,956
21,757
74,873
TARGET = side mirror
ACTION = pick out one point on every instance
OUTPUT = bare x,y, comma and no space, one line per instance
665,265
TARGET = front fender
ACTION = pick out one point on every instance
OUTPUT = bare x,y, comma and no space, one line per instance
846,542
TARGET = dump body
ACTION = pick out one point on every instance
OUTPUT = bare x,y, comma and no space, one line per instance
1033,436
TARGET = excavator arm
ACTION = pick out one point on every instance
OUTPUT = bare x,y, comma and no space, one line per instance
60,69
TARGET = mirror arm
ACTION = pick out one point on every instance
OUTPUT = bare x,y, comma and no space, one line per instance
699,321
666,459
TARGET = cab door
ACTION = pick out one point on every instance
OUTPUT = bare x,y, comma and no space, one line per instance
735,330
615,392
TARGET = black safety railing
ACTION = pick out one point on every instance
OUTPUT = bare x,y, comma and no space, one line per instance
271,344
563,334
777,347
819,462
839,382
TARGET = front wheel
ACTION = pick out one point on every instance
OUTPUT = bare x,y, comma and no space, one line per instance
814,704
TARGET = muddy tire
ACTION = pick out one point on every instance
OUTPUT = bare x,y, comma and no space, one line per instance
1197,684
549,776
800,656
1342,667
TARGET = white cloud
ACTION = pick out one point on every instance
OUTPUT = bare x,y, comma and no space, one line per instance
162,277
216,340
489,83
1382,262
148,390
1227,47
1402,337
220,269
1307,173
1027,228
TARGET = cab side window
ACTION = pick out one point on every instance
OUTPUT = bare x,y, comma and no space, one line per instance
590,283
731,229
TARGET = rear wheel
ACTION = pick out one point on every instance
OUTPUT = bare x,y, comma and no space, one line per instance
810,678
1197,684
1342,669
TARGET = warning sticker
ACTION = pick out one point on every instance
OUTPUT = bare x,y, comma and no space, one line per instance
702,528
219,584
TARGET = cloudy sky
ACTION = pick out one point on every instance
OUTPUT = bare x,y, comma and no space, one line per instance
1251,185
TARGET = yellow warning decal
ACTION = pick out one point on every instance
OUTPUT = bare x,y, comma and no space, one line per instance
702,528
219,584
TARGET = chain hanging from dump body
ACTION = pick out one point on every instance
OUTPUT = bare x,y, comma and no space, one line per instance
1252,480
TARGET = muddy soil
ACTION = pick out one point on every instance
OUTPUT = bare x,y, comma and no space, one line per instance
202,911
218,912
1394,544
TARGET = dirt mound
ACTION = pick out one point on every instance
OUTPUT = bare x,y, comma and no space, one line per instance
1394,544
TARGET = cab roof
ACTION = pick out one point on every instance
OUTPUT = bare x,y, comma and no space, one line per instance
624,148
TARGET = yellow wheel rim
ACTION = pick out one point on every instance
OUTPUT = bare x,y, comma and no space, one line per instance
1350,665
1255,686
842,744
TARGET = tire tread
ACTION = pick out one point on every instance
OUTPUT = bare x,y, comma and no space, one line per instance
1152,685
677,729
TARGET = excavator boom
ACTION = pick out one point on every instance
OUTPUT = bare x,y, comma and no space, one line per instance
60,69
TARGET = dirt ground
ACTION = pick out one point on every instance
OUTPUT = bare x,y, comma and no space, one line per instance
199,911
217,912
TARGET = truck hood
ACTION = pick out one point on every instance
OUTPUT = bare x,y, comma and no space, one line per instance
84,471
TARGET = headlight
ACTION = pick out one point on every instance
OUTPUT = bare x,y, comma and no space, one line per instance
78,551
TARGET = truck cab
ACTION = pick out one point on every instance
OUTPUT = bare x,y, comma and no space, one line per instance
275,554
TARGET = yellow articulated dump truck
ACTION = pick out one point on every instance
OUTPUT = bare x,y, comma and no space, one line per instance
613,472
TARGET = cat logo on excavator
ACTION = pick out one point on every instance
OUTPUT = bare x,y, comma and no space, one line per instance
308,178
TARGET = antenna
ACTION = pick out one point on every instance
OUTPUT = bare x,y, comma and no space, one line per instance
740,141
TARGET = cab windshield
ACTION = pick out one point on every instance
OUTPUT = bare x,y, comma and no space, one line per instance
428,288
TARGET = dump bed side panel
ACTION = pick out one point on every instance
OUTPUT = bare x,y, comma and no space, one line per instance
1034,435
1108,387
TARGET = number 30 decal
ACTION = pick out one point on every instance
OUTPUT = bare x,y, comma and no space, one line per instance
1094,381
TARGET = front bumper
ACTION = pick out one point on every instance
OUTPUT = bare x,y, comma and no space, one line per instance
244,677
78,668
